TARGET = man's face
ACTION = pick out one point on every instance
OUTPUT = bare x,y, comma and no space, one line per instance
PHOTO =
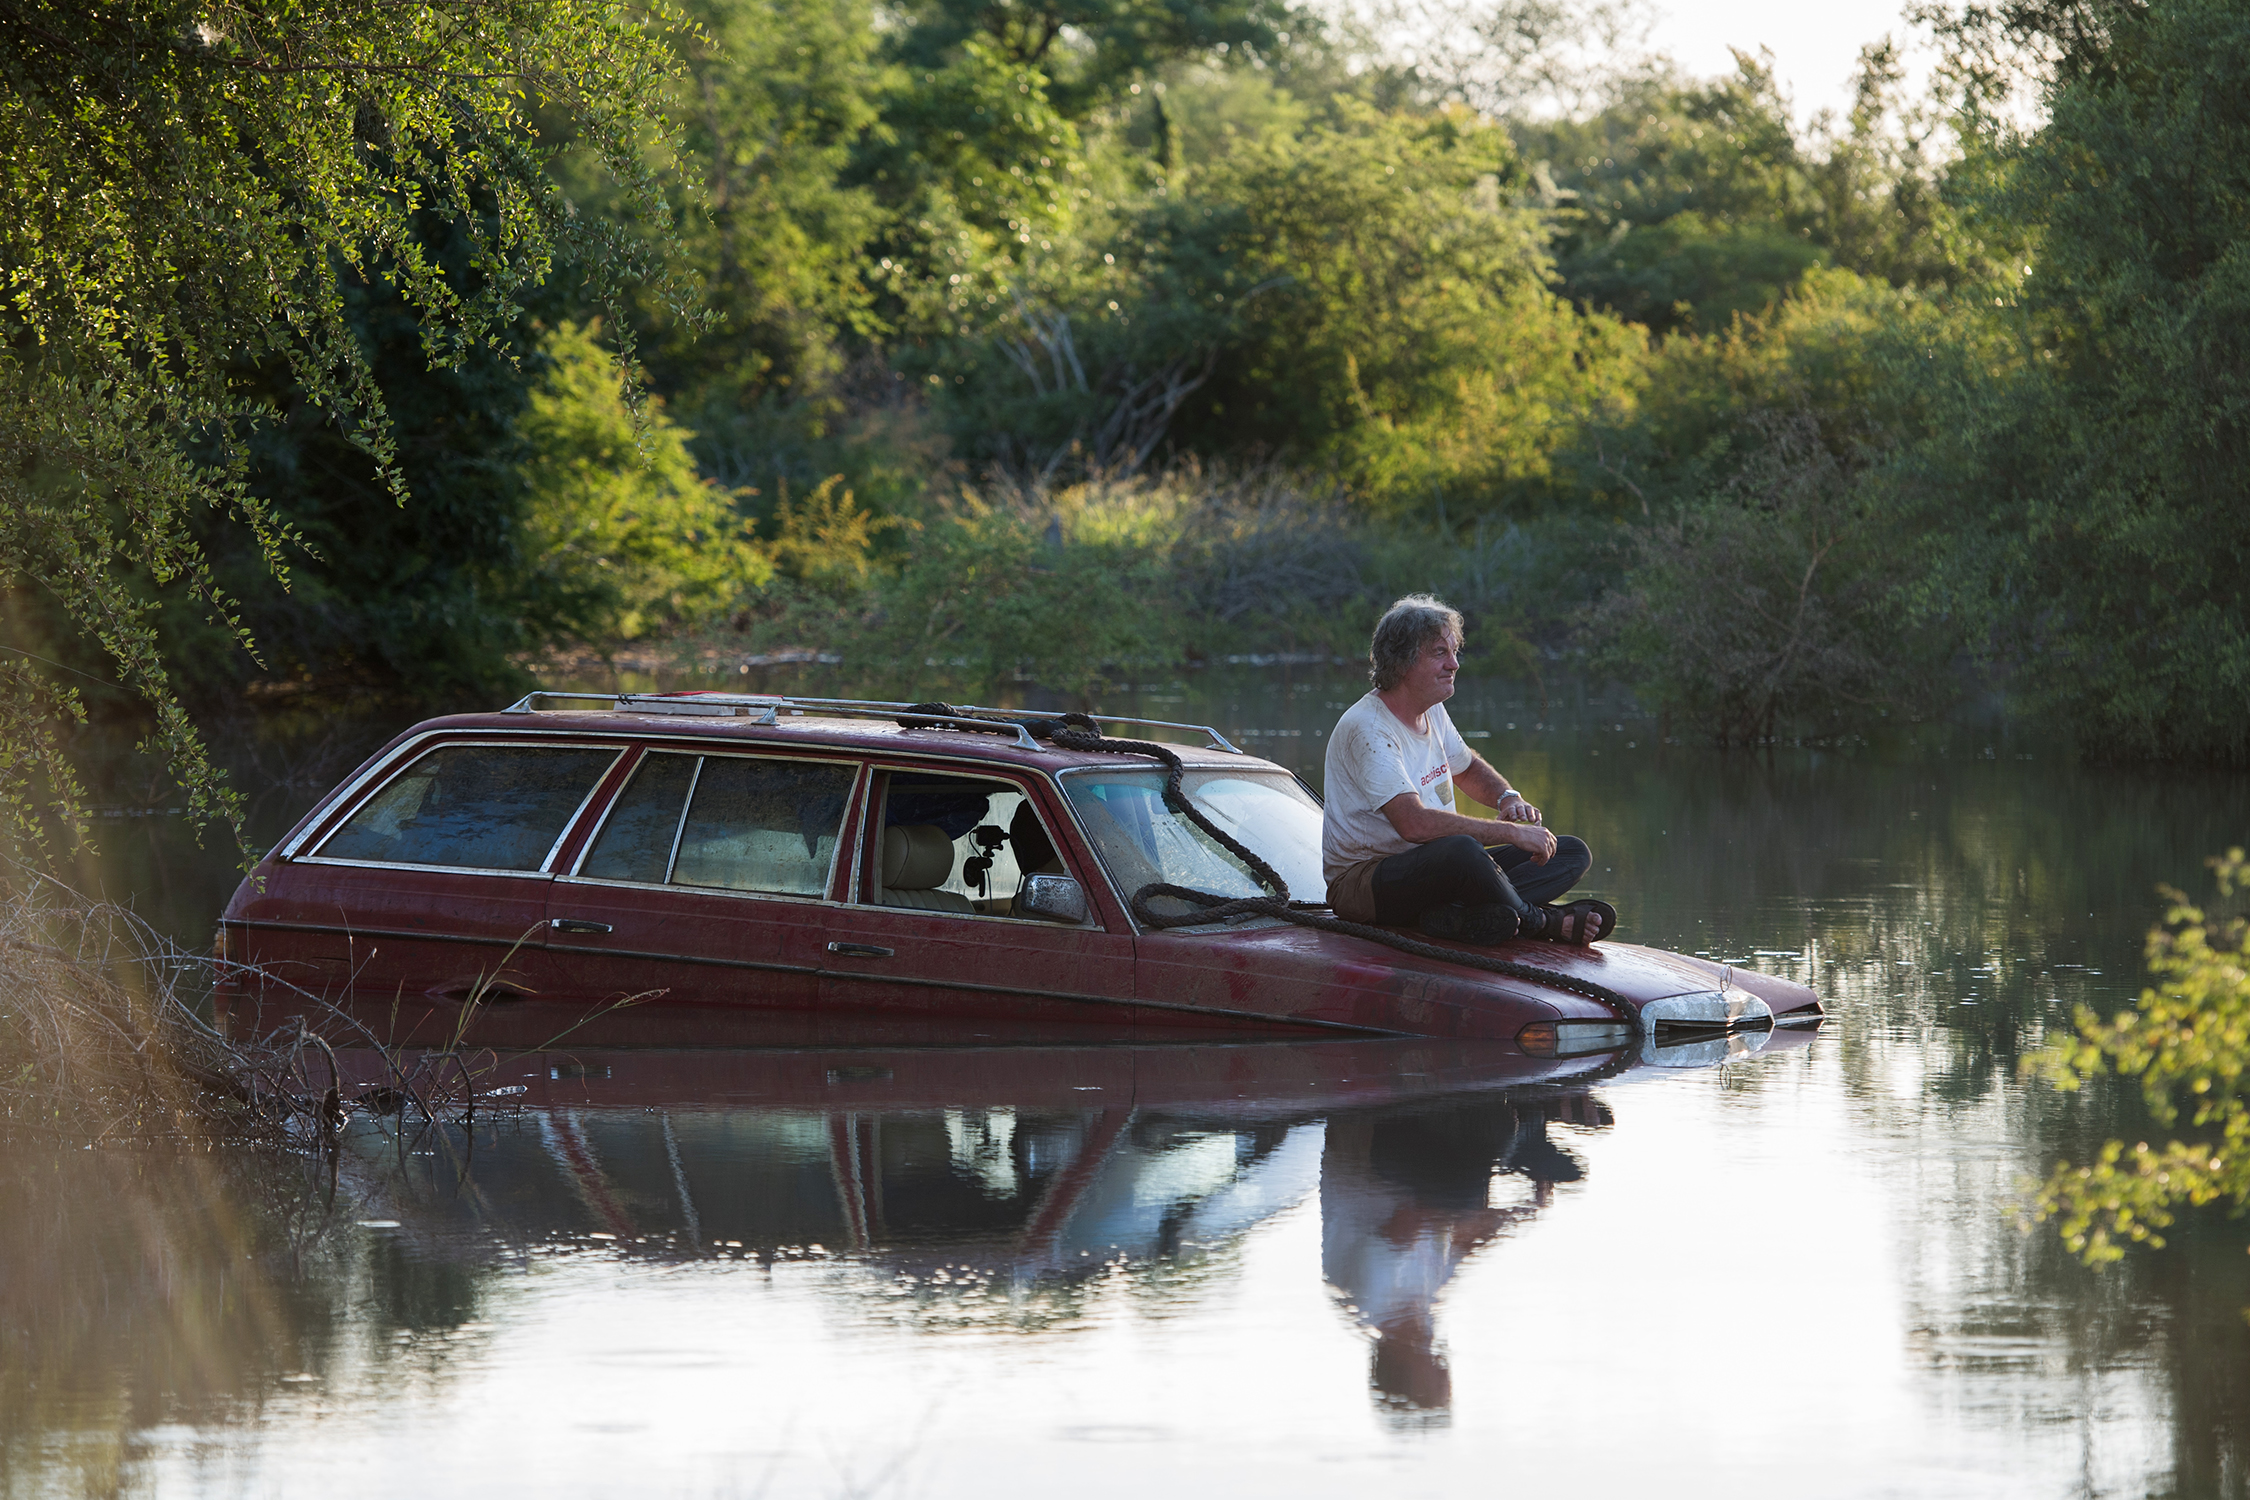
1430,679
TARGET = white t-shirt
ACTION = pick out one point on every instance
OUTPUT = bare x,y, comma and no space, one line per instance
1372,757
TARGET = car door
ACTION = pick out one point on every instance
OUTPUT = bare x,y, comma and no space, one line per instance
434,887
706,885
940,947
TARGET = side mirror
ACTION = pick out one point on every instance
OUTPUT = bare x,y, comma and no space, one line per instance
1052,898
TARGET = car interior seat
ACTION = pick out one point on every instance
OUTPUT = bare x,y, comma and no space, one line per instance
1028,841
1034,851
917,857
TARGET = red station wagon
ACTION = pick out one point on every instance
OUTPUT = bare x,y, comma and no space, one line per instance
737,868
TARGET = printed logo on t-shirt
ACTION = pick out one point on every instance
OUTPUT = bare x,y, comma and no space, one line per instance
1430,776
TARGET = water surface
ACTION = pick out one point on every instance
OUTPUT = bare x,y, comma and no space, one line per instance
1292,1270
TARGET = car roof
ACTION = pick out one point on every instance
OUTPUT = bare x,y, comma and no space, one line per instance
993,736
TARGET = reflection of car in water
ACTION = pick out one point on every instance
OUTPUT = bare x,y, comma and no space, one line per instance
1014,1176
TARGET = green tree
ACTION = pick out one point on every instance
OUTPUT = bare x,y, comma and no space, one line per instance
1001,588
1768,606
621,535
185,188
1087,50
1369,294
1683,204
421,602
2093,485
775,99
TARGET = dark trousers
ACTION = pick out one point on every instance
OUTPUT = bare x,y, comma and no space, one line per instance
1457,870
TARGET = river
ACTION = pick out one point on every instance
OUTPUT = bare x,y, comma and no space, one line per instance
1299,1270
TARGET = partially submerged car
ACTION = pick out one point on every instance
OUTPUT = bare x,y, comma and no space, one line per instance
743,867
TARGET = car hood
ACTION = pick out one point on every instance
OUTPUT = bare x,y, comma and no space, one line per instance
1284,951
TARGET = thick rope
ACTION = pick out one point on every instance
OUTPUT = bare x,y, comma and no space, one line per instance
1214,907
1176,798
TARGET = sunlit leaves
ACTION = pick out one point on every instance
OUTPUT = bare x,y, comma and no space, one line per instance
618,525
2188,1042
186,189
776,99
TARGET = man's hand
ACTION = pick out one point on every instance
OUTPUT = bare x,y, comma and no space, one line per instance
1530,836
1514,809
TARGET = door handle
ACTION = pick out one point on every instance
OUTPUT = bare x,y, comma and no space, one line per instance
576,924
859,950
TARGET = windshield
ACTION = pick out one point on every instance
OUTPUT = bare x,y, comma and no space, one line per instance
1141,840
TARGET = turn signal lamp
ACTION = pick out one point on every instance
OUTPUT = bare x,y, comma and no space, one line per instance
1574,1038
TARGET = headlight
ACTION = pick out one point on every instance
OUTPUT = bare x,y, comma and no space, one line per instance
1673,1022
1729,1009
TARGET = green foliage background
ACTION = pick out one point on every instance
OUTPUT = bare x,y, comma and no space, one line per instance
992,345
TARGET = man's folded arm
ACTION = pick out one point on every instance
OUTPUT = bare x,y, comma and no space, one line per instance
1419,823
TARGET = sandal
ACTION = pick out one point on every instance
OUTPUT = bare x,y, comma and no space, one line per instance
1581,924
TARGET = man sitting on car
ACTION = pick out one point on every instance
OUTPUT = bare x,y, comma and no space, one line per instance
1394,849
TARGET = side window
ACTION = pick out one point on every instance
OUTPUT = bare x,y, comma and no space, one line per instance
952,843
480,807
638,837
725,822
763,825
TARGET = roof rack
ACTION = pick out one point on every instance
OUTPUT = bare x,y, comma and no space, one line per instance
767,708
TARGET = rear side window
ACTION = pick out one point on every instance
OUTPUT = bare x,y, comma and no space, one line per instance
636,842
479,807
726,822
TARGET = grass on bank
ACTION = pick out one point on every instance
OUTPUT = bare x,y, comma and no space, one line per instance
99,1038
105,1040
1082,586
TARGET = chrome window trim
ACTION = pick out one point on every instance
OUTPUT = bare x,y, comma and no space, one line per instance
400,763
594,834
863,793
349,794
687,804
578,812
598,883
1093,922
723,737
375,864
679,824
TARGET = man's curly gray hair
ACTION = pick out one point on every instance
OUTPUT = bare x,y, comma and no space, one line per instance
1400,636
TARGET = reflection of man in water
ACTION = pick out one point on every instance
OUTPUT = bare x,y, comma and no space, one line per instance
1405,1197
